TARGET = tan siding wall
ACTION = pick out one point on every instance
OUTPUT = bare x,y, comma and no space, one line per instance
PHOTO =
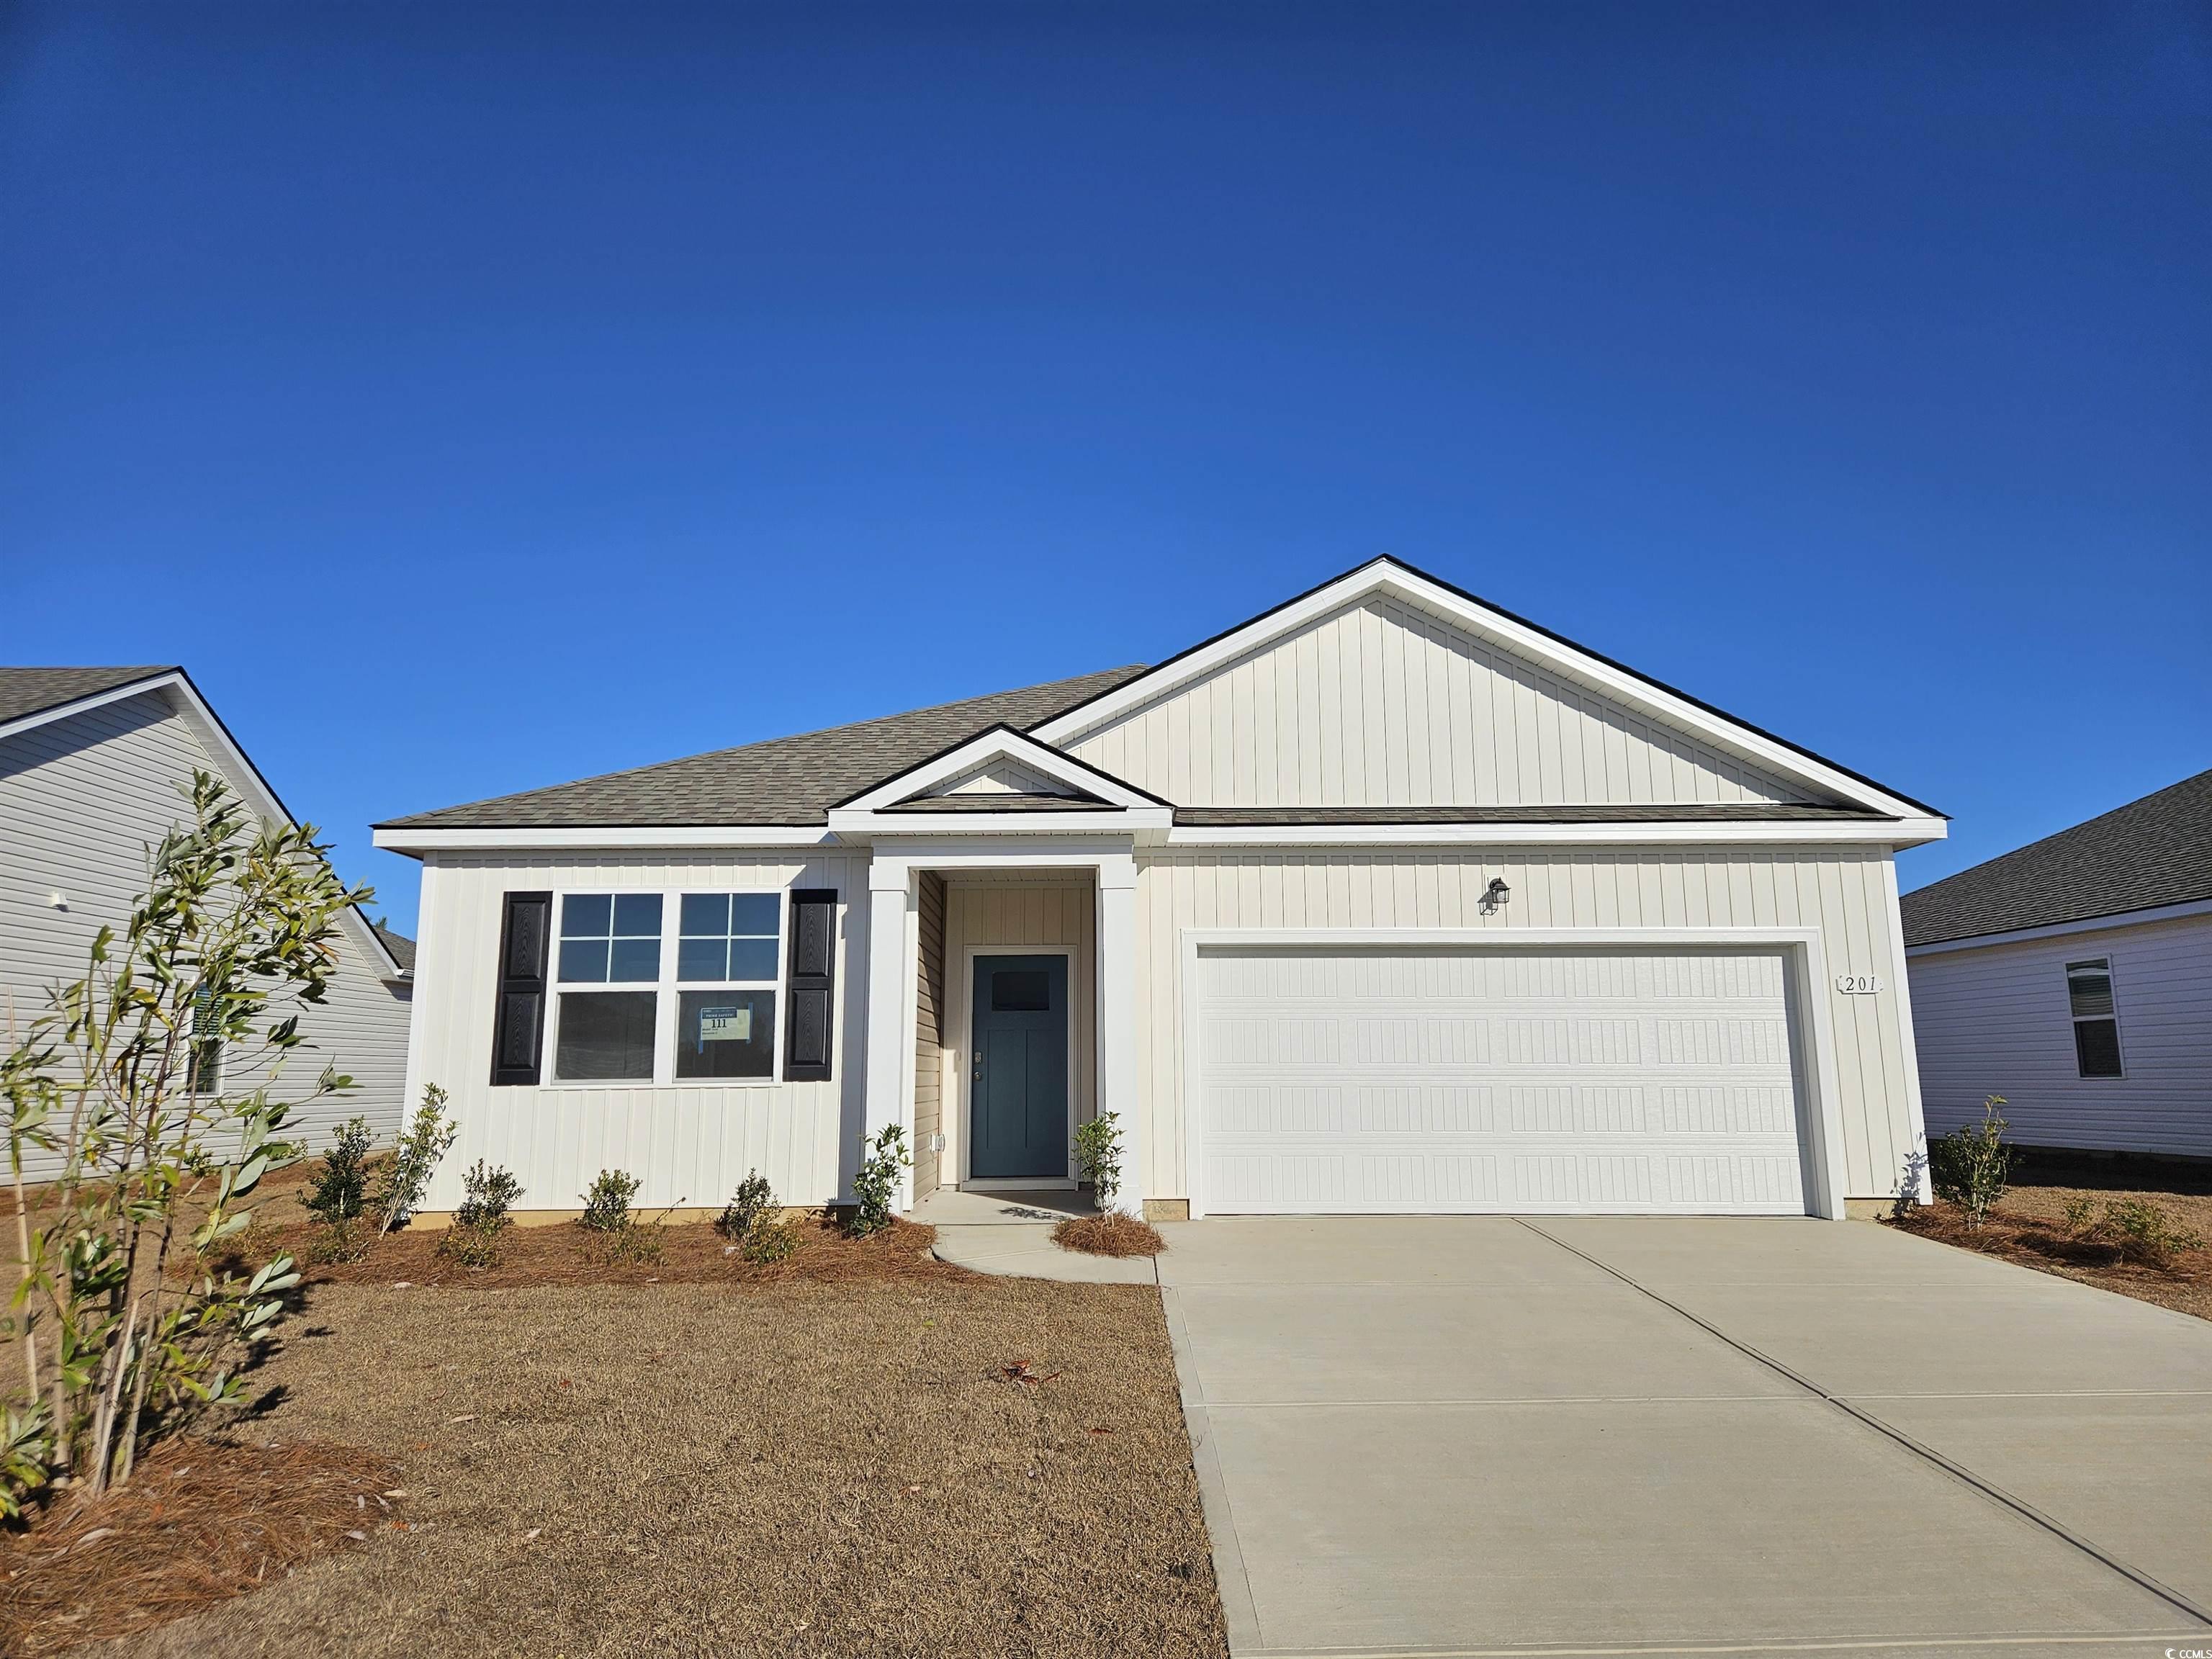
1010,912
1996,1021
1383,705
690,1142
928,1030
82,801
1845,894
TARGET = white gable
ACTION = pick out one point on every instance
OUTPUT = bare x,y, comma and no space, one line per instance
1380,703
1004,776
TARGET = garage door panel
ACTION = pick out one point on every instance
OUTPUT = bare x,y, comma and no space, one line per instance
1564,1081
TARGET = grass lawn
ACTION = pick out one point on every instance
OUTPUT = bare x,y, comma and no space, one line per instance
796,1466
2027,1225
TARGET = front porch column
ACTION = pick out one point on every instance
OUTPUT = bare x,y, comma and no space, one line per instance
1117,1023
891,1045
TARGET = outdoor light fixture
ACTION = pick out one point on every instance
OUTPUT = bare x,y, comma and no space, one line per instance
1496,894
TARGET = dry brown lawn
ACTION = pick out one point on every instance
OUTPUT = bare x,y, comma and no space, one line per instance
792,1468
2027,1226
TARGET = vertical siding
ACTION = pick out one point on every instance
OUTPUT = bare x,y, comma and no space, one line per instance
1383,705
691,1143
1842,893
1016,912
1996,1021
928,1031
83,800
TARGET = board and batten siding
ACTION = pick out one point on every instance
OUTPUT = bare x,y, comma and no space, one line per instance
1381,704
1847,894
690,1143
1016,911
1995,1020
84,800
928,1030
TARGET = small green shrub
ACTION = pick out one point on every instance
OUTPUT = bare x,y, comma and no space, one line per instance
769,1243
606,1206
332,1242
27,1456
1098,1157
753,1200
486,1195
338,1192
632,1242
1970,1166
875,1183
2138,1230
407,1174
2081,1215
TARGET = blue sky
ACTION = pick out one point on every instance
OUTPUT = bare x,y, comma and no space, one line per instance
476,398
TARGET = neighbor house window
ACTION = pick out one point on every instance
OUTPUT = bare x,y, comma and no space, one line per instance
203,1069
729,941
630,1011
607,939
2096,1020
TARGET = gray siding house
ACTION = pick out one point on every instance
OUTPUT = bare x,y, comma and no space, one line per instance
2074,977
92,764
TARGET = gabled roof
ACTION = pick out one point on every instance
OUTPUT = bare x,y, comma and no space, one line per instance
792,780
24,691
2151,853
401,947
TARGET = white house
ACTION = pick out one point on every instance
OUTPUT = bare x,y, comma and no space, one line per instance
2074,977
93,767
1385,900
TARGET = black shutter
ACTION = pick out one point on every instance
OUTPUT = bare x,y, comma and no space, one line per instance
518,1023
810,992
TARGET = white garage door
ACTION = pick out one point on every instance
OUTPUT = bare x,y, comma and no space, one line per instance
1635,1082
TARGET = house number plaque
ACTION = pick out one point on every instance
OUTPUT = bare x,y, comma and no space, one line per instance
1858,985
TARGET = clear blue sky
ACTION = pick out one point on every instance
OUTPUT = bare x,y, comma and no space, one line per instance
476,398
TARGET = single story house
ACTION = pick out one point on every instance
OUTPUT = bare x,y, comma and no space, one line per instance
2074,977
1384,901
94,768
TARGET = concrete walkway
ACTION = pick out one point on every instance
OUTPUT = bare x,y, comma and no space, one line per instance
1011,1233
1434,1435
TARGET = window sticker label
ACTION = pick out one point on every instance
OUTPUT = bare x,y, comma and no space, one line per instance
724,1025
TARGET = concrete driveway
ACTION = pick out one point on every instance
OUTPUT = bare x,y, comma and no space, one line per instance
1469,1435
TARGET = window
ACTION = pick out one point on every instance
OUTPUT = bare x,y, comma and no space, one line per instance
203,1067
713,996
2096,1019
607,939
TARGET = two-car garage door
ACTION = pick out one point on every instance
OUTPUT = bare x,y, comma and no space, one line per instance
1624,1080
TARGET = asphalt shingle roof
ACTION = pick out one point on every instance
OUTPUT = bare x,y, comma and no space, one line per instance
33,690
2151,852
401,946
792,780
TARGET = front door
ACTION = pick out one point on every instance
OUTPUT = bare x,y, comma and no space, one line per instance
1018,1079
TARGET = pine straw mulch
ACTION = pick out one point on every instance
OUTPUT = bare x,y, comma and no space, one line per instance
199,1523
691,1253
2027,1227
1111,1234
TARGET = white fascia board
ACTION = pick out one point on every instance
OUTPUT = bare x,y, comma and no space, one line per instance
615,838
2061,929
1579,665
231,761
856,823
1909,832
1000,743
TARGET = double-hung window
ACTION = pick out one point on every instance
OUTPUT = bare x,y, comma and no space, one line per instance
636,1006
2096,1017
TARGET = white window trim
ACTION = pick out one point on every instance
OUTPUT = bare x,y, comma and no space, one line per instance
2074,1020
664,990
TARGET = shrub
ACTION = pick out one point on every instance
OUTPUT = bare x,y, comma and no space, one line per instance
336,1193
2081,1215
2137,1228
1971,1165
753,1200
337,1241
634,1241
1098,1157
406,1176
486,1195
875,1183
606,1206
769,1243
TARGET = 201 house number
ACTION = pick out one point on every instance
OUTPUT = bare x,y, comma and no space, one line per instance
1858,985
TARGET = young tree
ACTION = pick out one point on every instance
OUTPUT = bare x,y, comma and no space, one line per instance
129,1318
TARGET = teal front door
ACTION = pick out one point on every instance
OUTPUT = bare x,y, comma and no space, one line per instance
1018,1079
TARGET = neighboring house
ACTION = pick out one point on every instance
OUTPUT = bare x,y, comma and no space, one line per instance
94,764
2074,977
1384,901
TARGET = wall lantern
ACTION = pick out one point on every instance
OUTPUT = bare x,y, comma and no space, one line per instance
1495,896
